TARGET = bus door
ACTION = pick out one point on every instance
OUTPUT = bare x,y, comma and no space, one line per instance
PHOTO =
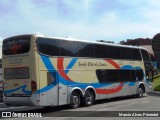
149,71
148,65
137,75
149,76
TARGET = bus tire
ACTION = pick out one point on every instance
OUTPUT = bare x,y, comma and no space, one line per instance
140,92
75,100
89,98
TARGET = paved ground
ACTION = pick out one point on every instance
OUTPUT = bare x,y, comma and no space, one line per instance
149,104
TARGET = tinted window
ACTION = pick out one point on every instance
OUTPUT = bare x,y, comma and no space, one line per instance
133,75
68,48
16,45
139,75
101,75
48,46
145,56
114,52
16,73
107,75
113,75
136,54
85,49
101,51
126,53
124,75
119,75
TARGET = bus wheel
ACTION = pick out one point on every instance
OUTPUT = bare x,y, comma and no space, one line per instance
140,92
74,100
88,98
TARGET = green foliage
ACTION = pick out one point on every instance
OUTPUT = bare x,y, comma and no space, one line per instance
156,83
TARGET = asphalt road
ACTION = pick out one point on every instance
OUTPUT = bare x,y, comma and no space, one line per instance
149,104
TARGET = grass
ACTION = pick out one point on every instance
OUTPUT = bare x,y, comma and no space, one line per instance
156,83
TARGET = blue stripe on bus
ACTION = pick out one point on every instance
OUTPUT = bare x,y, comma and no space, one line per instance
71,64
131,84
22,87
130,67
46,88
47,63
126,67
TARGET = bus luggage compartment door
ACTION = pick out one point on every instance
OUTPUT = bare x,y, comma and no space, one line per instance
49,88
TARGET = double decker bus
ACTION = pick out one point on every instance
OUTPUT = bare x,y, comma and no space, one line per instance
44,71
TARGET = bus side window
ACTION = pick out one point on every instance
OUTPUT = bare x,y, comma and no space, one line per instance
139,75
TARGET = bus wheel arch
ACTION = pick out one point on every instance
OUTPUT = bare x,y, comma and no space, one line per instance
140,90
75,98
89,97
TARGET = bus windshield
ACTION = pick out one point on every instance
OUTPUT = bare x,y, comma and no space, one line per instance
16,45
